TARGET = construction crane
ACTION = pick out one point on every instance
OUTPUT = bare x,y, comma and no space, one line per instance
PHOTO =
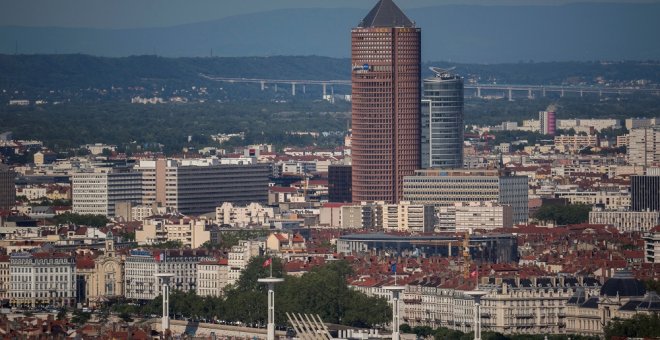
467,262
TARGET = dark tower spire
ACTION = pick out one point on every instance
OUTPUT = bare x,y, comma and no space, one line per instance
386,14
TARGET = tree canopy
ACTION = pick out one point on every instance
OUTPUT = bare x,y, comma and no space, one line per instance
81,219
563,215
323,291
639,326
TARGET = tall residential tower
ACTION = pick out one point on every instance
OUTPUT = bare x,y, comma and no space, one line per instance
386,60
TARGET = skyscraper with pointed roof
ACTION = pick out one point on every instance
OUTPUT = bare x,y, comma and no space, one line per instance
386,58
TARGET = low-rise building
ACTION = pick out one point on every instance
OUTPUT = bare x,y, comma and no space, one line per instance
652,245
240,255
611,200
5,277
191,232
576,142
212,277
468,216
511,306
253,214
42,278
626,221
141,266
621,297
407,217
280,243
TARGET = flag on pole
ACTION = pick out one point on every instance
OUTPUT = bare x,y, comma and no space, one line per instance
267,262
393,269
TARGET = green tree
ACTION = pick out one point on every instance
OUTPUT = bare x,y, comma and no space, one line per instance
652,285
563,215
61,314
405,328
81,219
640,325
422,331
79,317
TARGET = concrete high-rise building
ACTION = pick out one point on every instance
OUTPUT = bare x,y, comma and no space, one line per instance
339,183
386,97
636,123
645,193
442,121
644,146
99,192
444,188
7,187
153,177
548,122
199,186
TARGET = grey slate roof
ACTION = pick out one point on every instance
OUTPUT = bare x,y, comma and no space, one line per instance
623,283
386,14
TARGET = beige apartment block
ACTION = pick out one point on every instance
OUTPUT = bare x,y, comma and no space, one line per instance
511,306
212,277
626,221
191,232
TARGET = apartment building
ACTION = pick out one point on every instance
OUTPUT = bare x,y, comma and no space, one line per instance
611,200
191,232
141,265
446,187
42,278
407,217
240,255
576,142
644,146
468,216
99,191
365,215
626,221
534,305
652,245
212,277
5,277
253,214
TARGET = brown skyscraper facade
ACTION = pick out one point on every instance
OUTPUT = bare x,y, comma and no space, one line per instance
386,58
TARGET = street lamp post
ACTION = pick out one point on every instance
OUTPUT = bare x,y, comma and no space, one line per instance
396,291
165,321
271,282
477,294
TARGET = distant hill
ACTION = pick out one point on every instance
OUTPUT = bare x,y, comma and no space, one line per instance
469,34
76,71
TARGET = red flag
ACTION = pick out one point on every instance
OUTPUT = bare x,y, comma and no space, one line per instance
473,274
268,262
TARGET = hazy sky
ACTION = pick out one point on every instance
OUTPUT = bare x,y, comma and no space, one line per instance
150,13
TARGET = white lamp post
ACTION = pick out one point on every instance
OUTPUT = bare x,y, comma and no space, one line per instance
165,278
271,281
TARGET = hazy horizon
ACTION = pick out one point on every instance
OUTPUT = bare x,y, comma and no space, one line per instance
127,14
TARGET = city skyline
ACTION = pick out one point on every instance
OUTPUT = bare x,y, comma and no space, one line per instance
416,200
